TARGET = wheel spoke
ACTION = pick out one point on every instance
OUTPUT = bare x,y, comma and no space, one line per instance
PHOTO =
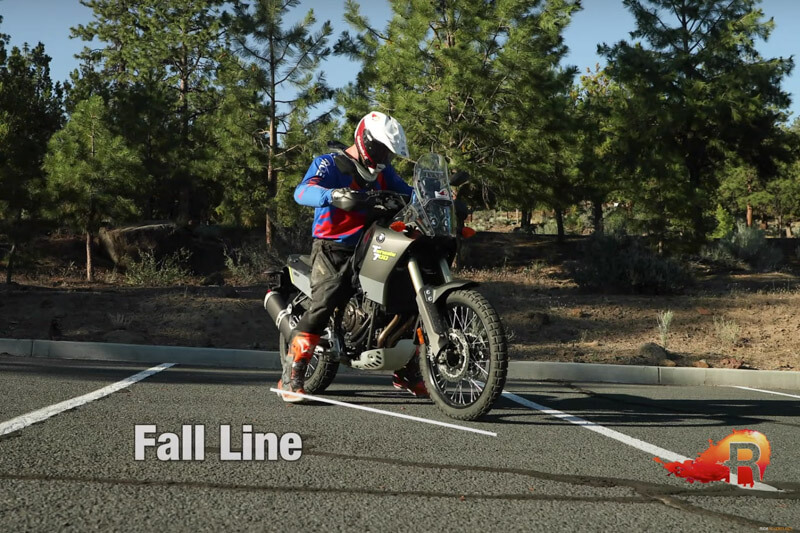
472,343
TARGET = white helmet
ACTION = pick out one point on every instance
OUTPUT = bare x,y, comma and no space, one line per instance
379,138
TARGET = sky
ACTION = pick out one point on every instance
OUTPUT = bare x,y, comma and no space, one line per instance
600,21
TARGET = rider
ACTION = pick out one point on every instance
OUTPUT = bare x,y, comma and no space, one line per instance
338,225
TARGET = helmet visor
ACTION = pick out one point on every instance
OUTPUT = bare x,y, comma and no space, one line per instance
377,152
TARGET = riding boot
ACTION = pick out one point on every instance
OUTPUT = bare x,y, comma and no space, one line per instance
295,365
409,378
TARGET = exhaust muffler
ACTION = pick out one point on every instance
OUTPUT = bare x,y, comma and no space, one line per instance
279,313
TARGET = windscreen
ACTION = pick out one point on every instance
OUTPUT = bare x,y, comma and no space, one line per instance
431,208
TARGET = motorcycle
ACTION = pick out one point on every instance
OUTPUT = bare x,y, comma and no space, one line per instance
407,304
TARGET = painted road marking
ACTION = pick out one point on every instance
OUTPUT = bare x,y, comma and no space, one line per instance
767,391
21,422
621,437
389,413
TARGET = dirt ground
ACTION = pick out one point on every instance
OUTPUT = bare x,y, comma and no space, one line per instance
732,320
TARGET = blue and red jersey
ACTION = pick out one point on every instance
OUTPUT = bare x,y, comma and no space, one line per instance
331,222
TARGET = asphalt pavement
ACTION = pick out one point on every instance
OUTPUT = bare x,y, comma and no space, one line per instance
555,456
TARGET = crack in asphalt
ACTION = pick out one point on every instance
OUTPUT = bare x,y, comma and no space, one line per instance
643,487
649,491
322,490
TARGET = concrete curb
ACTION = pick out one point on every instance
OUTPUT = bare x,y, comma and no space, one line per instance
518,370
652,375
136,353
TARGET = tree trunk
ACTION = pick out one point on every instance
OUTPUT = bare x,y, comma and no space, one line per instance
268,230
89,266
185,188
698,236
12,254
272,181
525,221
749,215
597,215
560,225
10,266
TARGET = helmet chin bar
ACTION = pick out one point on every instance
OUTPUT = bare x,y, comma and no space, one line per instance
365,174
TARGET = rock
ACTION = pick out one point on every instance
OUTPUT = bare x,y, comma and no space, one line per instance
122,244
163,239
537,318
121,336
651,353
702,363
668,362
730,362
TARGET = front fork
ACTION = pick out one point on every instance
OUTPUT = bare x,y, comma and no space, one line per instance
427,297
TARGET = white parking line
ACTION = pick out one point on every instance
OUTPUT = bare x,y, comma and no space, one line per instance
389,413
21,422
767,391
621,437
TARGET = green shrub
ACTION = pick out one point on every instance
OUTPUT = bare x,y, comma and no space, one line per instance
727,330
721,256
664,321
725,223
616,221
149,271
750,246
550,227
248,263
620,263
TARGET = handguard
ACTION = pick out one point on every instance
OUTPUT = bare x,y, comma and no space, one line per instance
349,199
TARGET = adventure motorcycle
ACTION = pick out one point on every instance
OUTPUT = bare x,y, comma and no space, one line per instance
407,303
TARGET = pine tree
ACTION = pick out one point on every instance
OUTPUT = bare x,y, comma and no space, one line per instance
92,173
474,80
30,112
538,122
160,62
698,91
235,134
291,82
598,102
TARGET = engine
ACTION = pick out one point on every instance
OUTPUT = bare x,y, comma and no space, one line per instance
354,319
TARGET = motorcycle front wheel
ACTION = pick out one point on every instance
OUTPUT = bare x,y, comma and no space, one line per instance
321,369
465,380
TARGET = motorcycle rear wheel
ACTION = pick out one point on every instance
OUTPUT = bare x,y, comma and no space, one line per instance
321,369
465,382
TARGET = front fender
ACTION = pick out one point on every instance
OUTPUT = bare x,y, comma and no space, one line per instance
427,301
434,294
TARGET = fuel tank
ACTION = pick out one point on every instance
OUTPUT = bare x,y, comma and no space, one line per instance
382,252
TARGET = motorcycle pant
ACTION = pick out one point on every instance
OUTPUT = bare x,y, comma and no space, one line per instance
331,284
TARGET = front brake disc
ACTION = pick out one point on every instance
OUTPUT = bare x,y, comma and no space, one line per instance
453,363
